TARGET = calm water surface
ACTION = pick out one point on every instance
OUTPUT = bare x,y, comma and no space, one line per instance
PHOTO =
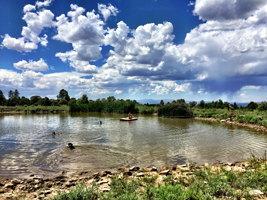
26,144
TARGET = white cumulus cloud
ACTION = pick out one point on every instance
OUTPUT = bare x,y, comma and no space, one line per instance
107,11
32,65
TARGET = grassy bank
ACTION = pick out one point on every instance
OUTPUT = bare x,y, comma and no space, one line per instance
225,181
34,109
239,115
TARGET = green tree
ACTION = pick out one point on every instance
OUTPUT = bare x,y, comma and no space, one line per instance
83,100
192,104
235,106
63,94
2,99
262,106
180,101
252,105
219,104
72,101
201,104
46,102
24,101
111,99
10,94
16,94
54,102
63,102
35,99
161,103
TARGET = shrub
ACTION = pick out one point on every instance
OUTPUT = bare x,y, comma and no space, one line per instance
262,106
175,110
240,118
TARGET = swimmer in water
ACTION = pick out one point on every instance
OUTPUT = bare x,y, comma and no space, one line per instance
54,134
100,122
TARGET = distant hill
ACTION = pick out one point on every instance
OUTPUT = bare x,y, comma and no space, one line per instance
157,101
153,101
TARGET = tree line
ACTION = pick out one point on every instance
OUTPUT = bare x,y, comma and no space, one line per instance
220,104
110,104
83,104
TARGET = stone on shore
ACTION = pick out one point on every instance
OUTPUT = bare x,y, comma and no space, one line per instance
255,192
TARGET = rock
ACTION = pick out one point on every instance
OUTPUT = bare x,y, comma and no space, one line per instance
168,168
47,184
228,168
104,173
9,185
185,169
2,184
69,184
165,172
15,182
123,169
145,169
255,192
81,173
223,120
42,196
45,192
238,169
2,190
127,173
154,169
102,182
32,175
140,174
105,189
206,165
96,175
134,168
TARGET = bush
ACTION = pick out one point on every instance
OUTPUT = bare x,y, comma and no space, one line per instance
240,118
264,122
175,110
262,106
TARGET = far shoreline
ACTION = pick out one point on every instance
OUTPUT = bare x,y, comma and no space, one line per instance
256,127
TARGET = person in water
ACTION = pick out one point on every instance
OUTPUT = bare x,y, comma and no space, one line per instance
54,134
100,122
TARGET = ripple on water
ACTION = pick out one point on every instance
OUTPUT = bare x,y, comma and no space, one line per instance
149,141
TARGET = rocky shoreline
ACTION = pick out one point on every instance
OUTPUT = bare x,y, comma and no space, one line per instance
256,127
43,188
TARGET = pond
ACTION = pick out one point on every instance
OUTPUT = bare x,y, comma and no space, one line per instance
27,146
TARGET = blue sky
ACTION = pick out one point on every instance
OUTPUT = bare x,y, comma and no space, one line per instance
149,49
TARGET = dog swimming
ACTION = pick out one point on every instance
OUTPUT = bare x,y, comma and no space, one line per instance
71,146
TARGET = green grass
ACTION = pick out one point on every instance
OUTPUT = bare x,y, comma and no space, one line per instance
202,184
240,115
143,109
34,109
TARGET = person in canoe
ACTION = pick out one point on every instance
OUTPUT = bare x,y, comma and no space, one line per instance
130,116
